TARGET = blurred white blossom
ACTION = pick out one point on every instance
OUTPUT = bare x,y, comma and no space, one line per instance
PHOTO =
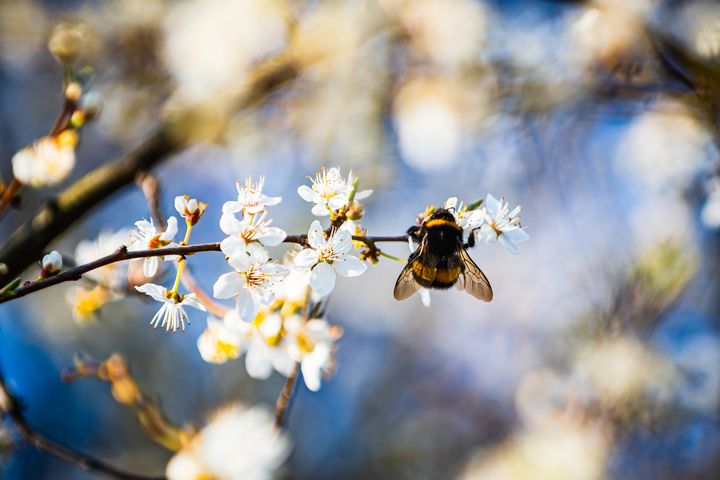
312,343
239,443
429,125
112,275
49,161
219,343
212,44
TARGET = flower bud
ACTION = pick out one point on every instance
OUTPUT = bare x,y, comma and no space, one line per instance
355,211
51,264
73,91
190,208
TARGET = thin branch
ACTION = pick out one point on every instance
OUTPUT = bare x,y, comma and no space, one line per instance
122,254
13,410
283,401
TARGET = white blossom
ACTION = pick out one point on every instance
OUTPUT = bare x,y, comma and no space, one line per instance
326,257
252,281
190,208
501,224
313,345
330,191
171,315
266,347
250,198
147,237
48,161
252,228
219,343
239,443
51,263
112,275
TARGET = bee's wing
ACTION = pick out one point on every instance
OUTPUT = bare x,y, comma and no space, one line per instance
475,282
406,285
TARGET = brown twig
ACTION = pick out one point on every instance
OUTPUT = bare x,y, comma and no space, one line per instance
283,401
12,408
126,391
122,254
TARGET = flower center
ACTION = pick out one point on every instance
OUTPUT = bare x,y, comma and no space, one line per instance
326,253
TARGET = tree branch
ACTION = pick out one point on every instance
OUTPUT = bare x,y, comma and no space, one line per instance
122,254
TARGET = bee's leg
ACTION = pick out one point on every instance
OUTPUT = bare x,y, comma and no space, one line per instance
471,240
414,233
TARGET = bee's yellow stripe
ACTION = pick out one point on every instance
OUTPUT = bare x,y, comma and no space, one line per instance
439,222
447,275
440,275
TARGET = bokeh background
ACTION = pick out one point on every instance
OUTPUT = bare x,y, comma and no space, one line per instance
600,354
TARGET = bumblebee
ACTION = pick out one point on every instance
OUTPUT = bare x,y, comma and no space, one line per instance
441,260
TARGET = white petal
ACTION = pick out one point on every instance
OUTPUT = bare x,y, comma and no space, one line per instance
338,201
269,201
228,285
272,236
246,305
257,361
191,300
306,258
492,205
185,466
341,242
311,374
363,194
180,204
258,255
150,266
316,237
240,261
229,224
233,246
509,246
282,362
425,296
320,210
232,207
171,229
322,279
307,193
155,291
516,235
349,266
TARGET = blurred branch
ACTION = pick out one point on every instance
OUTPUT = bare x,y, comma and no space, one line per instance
13,410
283,401
125,391
29,241
122,254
